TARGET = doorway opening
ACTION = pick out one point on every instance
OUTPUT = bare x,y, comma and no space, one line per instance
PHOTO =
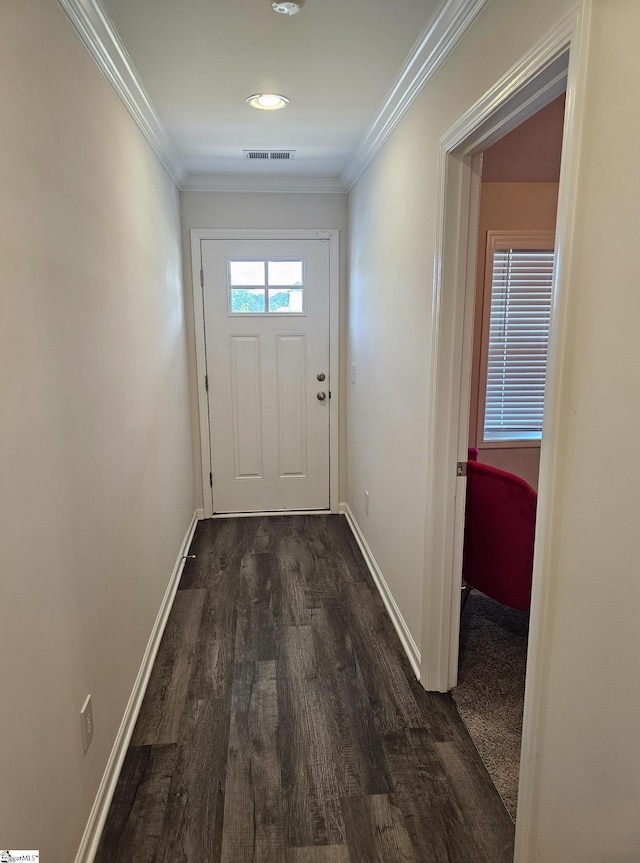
519,184
557,63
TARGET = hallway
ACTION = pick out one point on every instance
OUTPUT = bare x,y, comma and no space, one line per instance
283,723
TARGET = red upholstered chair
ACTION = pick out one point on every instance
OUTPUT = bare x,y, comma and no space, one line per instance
500,521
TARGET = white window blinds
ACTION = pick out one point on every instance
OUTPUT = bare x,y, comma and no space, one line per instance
520,311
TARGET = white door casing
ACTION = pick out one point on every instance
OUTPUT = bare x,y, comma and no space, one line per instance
559,59
268,441
539,77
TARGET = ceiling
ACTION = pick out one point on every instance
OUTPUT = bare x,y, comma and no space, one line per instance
349,67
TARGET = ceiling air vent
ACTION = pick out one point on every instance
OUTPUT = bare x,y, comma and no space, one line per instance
263,155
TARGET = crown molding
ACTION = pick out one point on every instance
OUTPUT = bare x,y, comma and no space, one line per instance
268,183
441,36
100,37
106,48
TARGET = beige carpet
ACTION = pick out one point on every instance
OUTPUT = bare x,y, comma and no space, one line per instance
490,691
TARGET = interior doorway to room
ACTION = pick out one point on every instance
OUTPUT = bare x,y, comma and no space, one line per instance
517,212
265,307
518,199
553,65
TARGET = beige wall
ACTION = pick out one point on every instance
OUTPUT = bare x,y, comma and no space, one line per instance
96,489
507,207
584,773
392,228
588,784
247,211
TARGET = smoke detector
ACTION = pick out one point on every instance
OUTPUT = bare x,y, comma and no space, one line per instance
288,7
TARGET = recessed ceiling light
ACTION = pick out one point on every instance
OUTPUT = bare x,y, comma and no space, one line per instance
267,101
289,7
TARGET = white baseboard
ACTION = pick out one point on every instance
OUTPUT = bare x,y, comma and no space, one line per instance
406,639
98,815
200,514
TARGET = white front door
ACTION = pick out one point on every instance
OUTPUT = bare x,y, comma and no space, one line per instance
266,318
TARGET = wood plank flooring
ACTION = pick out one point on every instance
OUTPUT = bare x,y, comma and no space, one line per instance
283,723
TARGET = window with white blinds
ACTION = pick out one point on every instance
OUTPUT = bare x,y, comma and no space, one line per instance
518,337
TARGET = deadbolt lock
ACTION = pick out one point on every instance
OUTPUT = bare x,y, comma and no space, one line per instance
321,376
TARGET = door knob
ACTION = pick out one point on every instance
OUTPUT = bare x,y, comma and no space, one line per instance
321,396
321,376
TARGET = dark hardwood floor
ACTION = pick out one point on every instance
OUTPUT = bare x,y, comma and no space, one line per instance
283,722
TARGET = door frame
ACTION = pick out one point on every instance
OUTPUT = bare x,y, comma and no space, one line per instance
557,62
330,235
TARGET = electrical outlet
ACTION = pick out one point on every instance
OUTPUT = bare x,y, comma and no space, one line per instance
353,373
366,502
86,717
